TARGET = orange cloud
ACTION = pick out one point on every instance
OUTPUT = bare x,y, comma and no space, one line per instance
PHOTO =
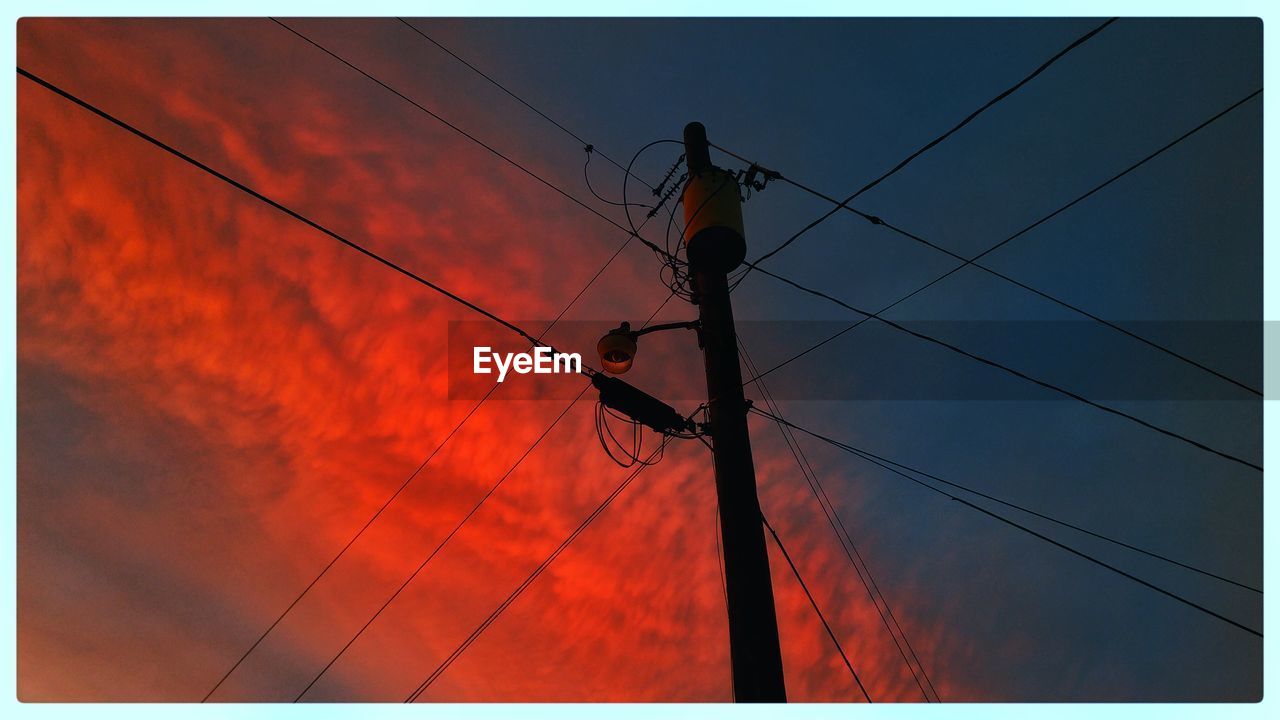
250,391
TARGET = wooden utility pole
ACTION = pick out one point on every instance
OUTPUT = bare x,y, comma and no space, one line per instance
715,245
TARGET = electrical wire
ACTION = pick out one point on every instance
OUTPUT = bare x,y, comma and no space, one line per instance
466,518
410,479
633,231
632,456
516,97
1074,308
497,319
573,301
680,274
680,278
601,423
284,209
586,178
665,257
343,551
480,503
814,603
936,141
519,590
572,198
445,541
601,420
846,542
671,261
875,220
1017,373
600,434
876,460
536,341
1020,508
483,499
724,586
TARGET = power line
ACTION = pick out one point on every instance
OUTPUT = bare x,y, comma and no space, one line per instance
349,243
343,551
517,98
518,330
445,541
1016,235
1020,508
586,179
484,625
965,262
890,466
369,253
355,246
845,539
458,427
1110,567
1016,373
1019,233
667,258
482,500
406,483
830,633
670,259
1037,223
724,587
282,208
933,143
1117,176
471,137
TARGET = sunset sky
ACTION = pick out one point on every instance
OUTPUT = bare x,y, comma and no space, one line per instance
213,397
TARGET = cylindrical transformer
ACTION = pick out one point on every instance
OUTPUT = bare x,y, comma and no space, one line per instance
714,238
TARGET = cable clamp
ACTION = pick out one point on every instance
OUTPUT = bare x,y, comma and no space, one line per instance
747,179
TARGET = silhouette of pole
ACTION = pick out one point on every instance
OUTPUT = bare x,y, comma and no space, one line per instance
715,245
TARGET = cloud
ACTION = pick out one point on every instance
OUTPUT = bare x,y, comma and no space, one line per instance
247,392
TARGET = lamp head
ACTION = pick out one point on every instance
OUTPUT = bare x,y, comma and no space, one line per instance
617,349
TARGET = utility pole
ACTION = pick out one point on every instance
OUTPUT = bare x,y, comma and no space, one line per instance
715,245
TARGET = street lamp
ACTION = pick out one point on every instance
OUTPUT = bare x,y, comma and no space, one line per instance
617,349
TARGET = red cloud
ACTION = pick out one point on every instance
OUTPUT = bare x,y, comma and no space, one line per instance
252,391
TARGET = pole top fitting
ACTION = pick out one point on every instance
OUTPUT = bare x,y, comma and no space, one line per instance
696,151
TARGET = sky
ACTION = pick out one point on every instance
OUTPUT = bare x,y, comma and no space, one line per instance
213,397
